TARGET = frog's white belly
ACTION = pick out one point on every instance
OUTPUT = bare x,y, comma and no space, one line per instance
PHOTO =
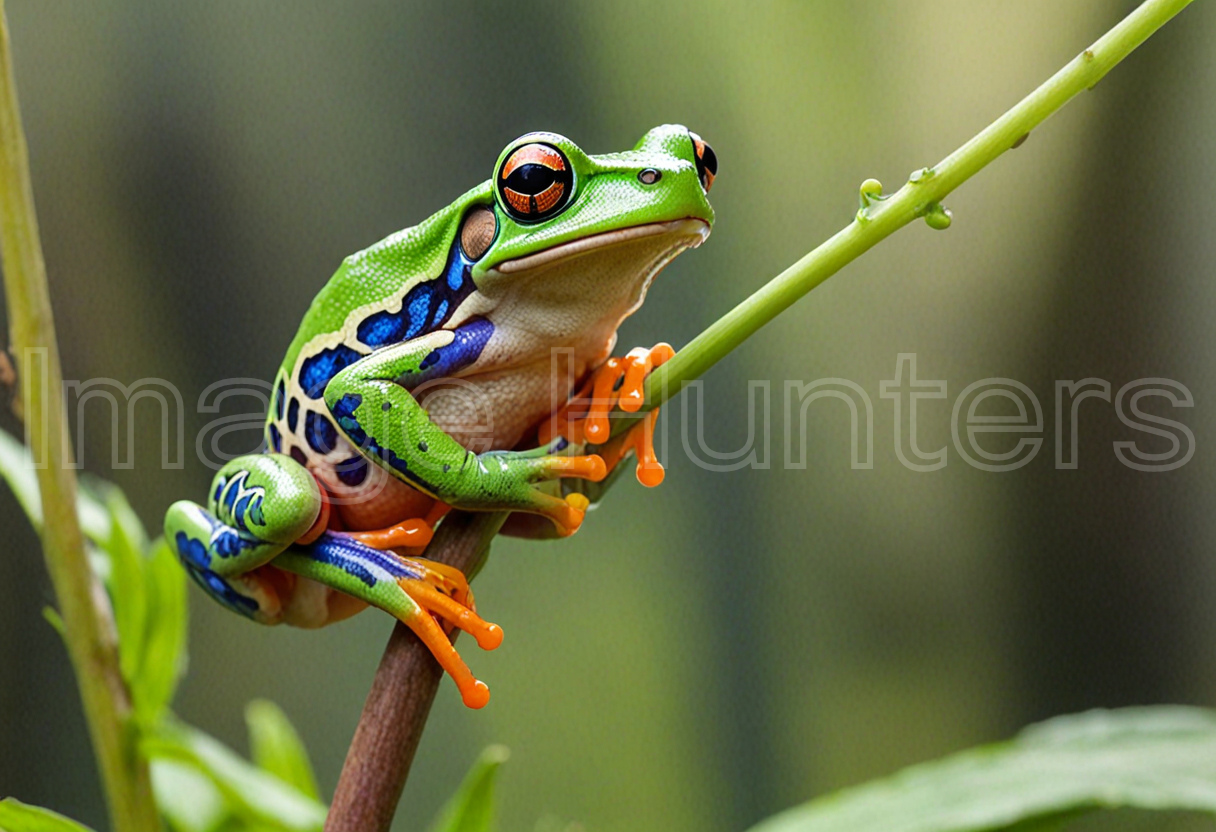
500,409
553,324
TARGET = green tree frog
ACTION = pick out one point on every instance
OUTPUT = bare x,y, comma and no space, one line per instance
491,313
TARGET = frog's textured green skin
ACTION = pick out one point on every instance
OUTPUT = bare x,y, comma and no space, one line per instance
515,291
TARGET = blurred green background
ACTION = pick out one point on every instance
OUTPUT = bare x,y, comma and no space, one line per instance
703,655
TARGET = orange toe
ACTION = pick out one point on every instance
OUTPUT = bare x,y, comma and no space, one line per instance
474,692
617,383
489,636
412,533
590,467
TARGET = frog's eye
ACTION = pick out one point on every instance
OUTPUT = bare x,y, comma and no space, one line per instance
535,182
707,161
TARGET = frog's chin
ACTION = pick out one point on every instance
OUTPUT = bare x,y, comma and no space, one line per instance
679,235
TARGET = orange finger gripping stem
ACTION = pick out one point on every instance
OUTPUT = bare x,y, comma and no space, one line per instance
619,382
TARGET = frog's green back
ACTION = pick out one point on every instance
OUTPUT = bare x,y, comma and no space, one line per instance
386,269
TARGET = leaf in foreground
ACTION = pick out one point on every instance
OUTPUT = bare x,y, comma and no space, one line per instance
163,660
1142,758
277,748
17,469
471,808
255,795
16,816
187,797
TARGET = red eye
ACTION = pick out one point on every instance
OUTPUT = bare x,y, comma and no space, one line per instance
535,182
707,161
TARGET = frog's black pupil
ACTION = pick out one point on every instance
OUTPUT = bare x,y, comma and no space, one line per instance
531,180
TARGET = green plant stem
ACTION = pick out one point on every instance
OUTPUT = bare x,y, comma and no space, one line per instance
88,625
880,217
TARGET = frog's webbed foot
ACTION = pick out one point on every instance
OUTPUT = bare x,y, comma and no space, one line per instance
414,591
619,382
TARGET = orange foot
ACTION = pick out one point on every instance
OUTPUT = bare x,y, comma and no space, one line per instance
433,600
619,382
441,592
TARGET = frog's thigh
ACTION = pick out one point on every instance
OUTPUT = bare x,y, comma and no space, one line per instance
259,504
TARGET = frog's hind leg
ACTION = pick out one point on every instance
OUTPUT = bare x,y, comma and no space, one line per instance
412,590
258,506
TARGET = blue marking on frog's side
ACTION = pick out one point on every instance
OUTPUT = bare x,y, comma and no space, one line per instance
320,433
317,370
352,472
425,307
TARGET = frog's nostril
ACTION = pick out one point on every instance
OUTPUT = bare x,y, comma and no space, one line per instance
707,161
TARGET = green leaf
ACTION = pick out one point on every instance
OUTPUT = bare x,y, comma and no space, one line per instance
1144,758
163,661
124,549
187,797
255,795
17,469
16,816
18,472
277,748
471,808
147,588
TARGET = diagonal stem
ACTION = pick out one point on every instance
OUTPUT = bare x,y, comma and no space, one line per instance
881,216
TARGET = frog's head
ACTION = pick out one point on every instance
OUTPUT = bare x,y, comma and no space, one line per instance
566,214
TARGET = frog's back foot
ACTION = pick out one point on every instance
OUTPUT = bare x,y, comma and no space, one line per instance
413,591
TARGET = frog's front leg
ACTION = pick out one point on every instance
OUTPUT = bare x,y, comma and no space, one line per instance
372,404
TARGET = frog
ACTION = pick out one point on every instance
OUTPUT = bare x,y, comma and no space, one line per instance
461,363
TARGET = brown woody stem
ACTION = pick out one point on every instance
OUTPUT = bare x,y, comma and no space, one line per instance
395,713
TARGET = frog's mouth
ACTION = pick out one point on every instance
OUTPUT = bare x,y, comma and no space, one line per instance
680,235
